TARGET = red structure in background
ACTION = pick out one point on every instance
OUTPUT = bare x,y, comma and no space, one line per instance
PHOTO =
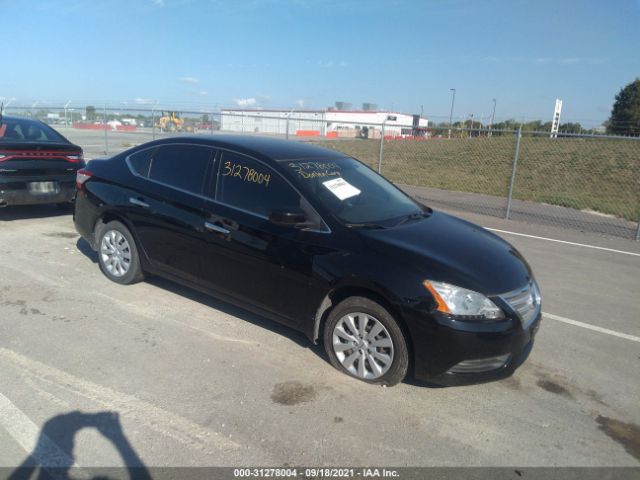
102,126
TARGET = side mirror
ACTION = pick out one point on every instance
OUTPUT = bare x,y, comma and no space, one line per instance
289,217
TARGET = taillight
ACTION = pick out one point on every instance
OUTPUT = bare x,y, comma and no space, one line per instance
75,158
81,178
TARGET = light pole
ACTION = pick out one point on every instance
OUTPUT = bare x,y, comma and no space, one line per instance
493,116
471,124
5,105
65,113
453,100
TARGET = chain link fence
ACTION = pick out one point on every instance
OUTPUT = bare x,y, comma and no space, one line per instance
589,183
582,182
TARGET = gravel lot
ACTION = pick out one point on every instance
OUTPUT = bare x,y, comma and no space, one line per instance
194,381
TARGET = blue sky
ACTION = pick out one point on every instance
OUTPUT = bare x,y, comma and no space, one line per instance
399,54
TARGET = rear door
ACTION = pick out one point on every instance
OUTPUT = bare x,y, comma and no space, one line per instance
167,205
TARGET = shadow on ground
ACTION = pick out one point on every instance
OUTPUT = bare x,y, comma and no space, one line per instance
53,456
243,314
26,212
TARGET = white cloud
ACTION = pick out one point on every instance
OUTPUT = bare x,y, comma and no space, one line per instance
331,64
160,3
190,80
569,60
300,103
143,101
203,93
245,102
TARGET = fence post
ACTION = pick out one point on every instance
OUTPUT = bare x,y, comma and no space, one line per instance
638,231
287,128
513,172
153,123
211,121
381,149
106,137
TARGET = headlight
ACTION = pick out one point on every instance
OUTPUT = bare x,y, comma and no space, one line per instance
460,301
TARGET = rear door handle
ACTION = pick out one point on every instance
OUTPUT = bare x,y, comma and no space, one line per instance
138,202
212,227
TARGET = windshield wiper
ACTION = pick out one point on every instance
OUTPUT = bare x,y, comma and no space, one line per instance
367,226
412,216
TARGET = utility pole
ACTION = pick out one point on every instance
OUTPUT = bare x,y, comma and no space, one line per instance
453,100
493,116
65,113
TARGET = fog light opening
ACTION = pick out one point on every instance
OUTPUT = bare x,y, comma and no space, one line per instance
481,364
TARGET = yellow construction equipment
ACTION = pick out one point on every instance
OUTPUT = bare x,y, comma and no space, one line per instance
170,122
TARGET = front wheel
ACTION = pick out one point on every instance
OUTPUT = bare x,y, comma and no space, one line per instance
118,254
363,340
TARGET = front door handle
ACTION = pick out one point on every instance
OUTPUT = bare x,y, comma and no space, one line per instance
216,228
138,202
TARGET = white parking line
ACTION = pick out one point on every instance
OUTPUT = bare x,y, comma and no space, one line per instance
588,326
163,422
43,450
564,241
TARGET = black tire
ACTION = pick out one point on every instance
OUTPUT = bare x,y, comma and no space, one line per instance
400,362
134,273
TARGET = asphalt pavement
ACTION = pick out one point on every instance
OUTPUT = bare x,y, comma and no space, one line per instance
100,374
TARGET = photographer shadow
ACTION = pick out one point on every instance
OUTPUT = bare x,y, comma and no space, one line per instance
53,457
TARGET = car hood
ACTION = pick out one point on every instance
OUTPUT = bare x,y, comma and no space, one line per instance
446,248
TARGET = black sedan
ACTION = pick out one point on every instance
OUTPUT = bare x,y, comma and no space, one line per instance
37,164
318,241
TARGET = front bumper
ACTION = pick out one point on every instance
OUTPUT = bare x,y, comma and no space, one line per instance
19,194
450,352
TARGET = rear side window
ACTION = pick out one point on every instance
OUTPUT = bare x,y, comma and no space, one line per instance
141,161
252,186
180,166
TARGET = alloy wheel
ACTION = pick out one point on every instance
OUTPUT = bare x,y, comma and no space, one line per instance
115,253
363,345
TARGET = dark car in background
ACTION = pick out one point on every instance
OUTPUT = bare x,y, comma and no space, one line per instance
37,164
318,241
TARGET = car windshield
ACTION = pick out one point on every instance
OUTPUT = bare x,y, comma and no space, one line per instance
352,192
19,130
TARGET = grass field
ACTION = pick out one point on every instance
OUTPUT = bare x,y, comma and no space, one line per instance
595,174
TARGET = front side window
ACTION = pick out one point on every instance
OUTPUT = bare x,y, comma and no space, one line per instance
252,186
180,166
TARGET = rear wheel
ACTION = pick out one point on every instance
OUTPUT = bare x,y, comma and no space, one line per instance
118,254
363,340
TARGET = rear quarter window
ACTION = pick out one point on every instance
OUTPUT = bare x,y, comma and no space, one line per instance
141,161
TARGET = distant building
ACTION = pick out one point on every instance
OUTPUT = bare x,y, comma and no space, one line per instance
327,123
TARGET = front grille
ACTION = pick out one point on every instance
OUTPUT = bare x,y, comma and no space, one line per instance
525,302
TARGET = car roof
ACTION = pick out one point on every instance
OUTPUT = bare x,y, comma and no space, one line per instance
8,118
273,148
